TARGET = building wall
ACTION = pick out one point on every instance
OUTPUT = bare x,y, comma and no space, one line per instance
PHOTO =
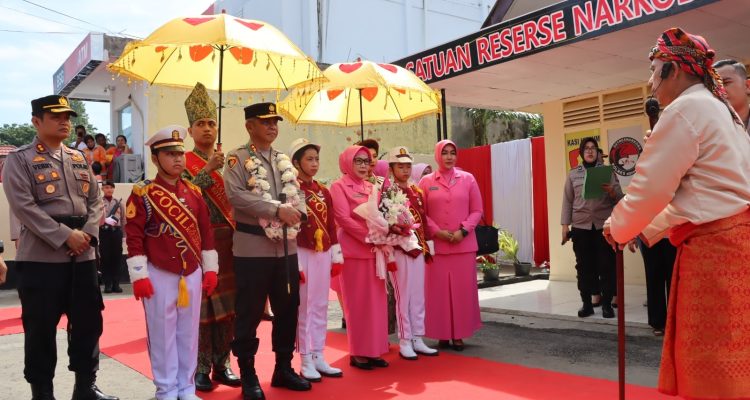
562,257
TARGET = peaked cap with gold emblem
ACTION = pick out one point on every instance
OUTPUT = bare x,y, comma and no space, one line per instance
169,138
54,104
262,110
199,104
399,154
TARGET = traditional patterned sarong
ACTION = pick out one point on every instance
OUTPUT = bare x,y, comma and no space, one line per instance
706,352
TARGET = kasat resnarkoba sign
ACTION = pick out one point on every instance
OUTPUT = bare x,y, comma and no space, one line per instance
564,22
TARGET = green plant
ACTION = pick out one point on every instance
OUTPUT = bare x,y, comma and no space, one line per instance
487,263
508,245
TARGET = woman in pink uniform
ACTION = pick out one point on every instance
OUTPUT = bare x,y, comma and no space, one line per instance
364,292
454,207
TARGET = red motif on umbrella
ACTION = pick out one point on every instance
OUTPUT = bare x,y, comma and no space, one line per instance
197,21
389,67
333,93
402,91
349,68
199,52
243,55
252,25
369,93
159,49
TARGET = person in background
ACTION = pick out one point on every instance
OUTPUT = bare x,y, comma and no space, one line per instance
373,147
101,140
658,261
93,152
595,259
364,293
96,168
203,168
693,185
171,262
408,279
734,77
52,191
79,144
419,170
110,238
320,258
114,153
453,206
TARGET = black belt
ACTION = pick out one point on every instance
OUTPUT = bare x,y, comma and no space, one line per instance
72,221
109,228
251,229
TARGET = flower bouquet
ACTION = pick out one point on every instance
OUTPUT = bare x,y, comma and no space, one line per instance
389,224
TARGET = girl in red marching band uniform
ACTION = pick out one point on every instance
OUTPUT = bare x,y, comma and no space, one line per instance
320,258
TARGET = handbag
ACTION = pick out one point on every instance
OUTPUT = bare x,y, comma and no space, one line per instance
486,238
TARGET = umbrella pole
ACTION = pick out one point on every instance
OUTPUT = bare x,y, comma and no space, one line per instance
361,121
221,76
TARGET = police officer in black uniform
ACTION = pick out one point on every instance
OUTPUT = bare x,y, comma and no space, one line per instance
54,194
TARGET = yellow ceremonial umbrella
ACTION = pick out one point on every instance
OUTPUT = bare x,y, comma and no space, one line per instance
361,92
222,52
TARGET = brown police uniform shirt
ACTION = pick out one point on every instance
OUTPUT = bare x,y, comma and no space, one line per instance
41,184
581,213
249,206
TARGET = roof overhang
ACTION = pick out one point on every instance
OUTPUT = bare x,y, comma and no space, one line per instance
583,56
83,75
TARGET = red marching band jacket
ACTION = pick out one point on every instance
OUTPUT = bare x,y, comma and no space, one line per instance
319,232
416,206
150,235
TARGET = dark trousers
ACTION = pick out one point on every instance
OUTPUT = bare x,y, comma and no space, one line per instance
110,249
595,265
659,262
258,278
47,291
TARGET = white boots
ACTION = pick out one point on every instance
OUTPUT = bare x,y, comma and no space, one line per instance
421,348
308,370
406,350
314,366
324,368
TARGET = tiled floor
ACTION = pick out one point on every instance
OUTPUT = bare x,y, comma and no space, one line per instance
559,299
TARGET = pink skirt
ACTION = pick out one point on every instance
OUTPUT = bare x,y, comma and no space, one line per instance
365,307
451,297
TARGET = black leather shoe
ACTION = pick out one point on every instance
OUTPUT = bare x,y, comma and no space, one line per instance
586,311
91,393
267,317
286,377
203,382
251,389
227,377
116,289
444,344
458,345
378,362
107,289
42,392
607,311
360,364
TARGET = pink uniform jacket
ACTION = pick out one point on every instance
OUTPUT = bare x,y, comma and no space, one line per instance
348,193
450,204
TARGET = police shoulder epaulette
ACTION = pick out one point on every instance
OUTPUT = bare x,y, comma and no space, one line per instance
20,148
321,185
139,188
192,186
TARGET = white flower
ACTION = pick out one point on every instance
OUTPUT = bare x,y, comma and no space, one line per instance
288,176
282,157
290,191
267,197
264,185
262,173
284,164
249,164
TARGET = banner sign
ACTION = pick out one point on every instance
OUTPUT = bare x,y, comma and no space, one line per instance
625,147
81,62
561,23
572,146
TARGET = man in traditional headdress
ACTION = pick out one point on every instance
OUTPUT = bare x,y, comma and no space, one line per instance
202,168
700,199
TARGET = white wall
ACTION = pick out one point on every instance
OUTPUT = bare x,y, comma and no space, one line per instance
378,30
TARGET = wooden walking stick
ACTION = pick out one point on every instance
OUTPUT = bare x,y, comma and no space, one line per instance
620,322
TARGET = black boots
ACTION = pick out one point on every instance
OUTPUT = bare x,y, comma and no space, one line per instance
42,391
203,382
284,375
85,388
586,311
251,389
607,311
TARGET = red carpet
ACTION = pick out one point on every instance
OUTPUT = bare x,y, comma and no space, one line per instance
448,376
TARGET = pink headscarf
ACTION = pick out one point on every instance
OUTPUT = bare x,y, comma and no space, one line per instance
438,153
346,159
381,169
417,170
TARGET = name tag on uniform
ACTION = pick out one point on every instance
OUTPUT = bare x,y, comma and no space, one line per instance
434,188
359,195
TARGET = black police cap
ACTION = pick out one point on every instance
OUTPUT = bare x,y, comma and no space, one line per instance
53,103
262,110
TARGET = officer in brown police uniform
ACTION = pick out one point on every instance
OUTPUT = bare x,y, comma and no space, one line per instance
54,194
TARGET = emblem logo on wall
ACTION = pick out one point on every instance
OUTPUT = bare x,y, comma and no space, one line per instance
624,154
